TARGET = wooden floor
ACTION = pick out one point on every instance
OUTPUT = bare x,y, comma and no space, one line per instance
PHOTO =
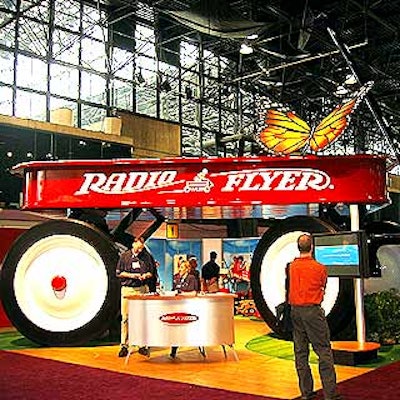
252,373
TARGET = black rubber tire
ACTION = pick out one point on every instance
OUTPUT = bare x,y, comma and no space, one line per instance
106,314
384,231
343,310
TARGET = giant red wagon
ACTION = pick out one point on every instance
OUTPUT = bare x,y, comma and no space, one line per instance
89,301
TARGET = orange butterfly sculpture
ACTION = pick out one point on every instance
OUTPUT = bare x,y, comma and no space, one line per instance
286,133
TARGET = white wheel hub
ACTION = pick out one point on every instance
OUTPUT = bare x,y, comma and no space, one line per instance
60,283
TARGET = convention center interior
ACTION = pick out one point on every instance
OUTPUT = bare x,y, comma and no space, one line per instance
200,199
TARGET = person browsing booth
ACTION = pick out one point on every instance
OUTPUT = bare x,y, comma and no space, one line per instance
184,281
194,271
133,273
210,274
307,282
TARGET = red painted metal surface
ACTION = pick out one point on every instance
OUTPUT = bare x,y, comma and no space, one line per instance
198,182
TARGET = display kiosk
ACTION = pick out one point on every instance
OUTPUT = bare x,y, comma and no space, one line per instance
182,320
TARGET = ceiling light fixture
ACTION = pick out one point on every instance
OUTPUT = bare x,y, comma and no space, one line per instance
350,79
253,36
341,91
246,48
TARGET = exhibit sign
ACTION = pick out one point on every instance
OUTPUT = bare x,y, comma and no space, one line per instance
197,182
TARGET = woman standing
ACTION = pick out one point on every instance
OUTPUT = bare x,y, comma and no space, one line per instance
184,281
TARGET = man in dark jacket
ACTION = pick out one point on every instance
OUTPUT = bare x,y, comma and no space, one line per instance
148,259
133,273
210,274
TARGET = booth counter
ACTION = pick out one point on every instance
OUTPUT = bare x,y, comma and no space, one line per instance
182,320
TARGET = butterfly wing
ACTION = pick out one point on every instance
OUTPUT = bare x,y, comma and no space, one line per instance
284,133
331,127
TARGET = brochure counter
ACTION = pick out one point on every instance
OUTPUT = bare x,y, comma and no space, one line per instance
182,320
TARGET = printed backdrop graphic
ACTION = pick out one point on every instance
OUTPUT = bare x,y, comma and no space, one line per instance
166,252
235,265
237,256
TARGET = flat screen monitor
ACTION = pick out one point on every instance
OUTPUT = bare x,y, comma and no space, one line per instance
343,253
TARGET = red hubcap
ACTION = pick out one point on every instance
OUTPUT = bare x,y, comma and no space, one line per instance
58,283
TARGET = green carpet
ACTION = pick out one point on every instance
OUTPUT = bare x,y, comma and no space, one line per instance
13,340
273,347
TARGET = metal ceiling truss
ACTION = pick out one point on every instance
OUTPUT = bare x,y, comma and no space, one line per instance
295,61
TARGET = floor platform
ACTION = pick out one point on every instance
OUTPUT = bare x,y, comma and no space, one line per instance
354,353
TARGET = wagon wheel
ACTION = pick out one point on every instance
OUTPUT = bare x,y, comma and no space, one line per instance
276,248
58,283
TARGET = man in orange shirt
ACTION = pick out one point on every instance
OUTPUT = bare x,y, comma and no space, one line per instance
307,281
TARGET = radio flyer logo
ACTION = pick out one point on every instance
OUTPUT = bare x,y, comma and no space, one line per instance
179,318
261,179
200,183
